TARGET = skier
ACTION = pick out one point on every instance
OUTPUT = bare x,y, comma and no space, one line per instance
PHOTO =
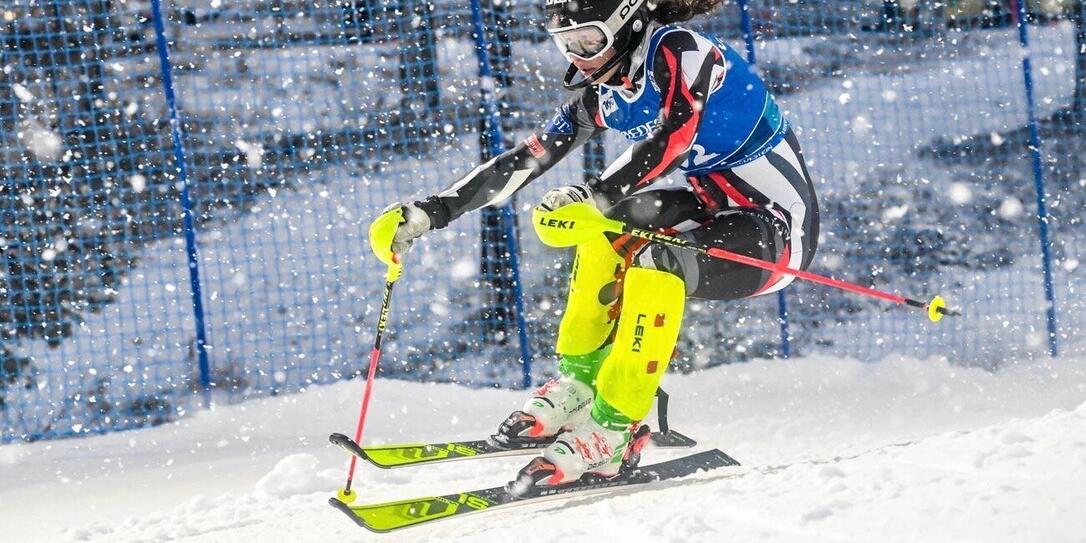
683,100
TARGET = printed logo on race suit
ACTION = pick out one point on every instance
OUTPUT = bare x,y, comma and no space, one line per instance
561,123
608,105
698,156
535,146
638,133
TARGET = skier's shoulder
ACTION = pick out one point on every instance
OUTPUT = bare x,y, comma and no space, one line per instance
677,37
676,41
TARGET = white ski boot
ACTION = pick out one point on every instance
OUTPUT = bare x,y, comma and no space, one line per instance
558,405
592,448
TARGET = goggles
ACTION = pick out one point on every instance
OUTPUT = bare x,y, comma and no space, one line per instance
586,41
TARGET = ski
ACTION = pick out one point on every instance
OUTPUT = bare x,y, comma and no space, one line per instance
396,515
404,455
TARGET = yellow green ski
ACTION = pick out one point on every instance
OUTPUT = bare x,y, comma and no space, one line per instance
414,454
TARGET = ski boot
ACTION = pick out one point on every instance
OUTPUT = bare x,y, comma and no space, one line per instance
558,405
601,447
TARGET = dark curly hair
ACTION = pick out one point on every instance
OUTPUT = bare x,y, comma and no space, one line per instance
675,11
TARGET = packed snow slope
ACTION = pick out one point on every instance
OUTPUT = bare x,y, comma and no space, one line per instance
833,450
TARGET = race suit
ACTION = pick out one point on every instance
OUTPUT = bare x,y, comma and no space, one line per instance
687,102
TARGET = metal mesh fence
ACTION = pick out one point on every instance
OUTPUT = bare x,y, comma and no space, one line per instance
302,119
914,117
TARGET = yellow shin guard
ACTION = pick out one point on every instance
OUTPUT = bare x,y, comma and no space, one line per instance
652,312
586,325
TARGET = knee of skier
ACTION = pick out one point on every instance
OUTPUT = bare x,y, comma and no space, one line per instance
678,262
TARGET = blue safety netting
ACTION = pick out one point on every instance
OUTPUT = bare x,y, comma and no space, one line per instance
300,121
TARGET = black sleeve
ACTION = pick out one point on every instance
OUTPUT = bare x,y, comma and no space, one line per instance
686,70
494,181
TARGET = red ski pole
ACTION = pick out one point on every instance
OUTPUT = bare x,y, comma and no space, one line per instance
575,223
345,495
381,235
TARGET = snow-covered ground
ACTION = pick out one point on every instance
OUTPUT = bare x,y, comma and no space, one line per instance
833,450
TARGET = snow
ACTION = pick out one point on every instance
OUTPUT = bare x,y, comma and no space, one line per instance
833,449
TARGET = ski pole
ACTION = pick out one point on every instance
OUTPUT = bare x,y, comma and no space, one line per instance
345,495
575,223
381,233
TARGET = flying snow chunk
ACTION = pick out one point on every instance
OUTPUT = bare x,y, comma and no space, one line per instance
861,126
960,193
22,93
844,98
894,213
889,95
463,269
440,310
138,182
254,153
238,280
1010,208
45,144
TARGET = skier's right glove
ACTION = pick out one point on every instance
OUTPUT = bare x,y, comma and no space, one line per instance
413,223
563,196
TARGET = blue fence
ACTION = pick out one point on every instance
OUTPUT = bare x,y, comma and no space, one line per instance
150,265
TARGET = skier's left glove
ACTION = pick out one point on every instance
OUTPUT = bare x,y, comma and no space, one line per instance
563,196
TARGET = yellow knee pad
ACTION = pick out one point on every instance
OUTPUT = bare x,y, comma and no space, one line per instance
586,324
652,313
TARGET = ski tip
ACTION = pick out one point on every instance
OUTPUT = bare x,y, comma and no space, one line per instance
346,509
347,444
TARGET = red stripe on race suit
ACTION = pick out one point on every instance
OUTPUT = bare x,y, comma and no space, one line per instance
704,195
738,197
679,140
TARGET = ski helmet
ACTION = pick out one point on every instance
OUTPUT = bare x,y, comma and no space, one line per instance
587,29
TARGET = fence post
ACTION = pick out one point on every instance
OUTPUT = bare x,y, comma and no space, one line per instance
492,124
782,300
186,202
1038,175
